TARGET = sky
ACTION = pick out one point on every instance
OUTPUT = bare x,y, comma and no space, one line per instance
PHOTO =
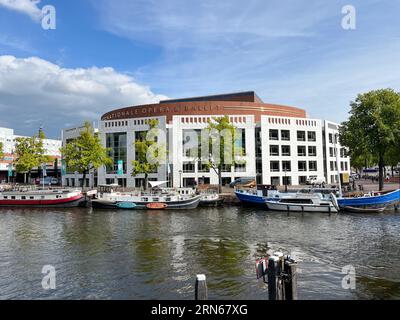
108,54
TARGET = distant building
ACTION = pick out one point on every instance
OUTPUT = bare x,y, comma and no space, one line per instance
281,144
8,138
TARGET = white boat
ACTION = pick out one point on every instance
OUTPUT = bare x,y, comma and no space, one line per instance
109,197
25,197
210,198
303,202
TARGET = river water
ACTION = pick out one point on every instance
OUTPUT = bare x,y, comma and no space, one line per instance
157,254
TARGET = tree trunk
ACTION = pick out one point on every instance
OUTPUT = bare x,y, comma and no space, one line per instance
83,179
219,180
381,167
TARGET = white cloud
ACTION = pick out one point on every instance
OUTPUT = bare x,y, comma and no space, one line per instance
37,89
28,7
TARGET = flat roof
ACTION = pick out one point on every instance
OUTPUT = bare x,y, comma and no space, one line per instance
247,96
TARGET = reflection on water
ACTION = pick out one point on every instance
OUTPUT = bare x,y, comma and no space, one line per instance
156,254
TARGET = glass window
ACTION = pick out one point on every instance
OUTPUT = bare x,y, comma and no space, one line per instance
285,134
312,151
203,167
330,138
302,166
275,181
286,151
301,136
312,136
312,165
303,180
188,167
274,150
287,181
274,166
273,134
301,151
240,167
286,166
116,142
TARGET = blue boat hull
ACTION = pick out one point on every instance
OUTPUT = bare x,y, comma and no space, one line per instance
251,200
389,200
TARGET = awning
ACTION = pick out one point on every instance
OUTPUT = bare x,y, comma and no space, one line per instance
156,183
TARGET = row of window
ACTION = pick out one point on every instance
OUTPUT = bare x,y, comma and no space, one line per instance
344,166
343,152
116,124
275,166
286,152
189,167
285,135
207,119
310,123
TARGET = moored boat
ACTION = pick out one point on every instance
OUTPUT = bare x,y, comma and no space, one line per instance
257,197
313,202
108,197
42,198
372,200
210,199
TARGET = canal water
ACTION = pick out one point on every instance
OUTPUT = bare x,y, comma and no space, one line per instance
157,254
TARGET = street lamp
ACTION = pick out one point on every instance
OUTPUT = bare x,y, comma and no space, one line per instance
180,178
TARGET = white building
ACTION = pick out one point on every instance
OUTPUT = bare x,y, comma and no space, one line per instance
280,143
8,138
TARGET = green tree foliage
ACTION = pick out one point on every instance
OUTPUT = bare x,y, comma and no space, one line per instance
29,154
220,132
149,153
373,128
85,153
1,151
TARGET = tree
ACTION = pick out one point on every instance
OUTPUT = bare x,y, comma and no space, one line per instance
85,153
374,126
29,153
149,154
221,136
1,151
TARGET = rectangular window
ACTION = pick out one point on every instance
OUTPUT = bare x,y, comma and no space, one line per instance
302,166
330,138
303,180
312,136
312,151
240,167
301,136
286,151
116,142
273,134
301,151
188,167
275,181
287,181
274,150
285,134
312,165
274,166
286,166
203,168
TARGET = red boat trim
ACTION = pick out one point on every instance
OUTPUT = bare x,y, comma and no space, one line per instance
39,202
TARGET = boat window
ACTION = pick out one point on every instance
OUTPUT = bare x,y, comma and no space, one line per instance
145,199
23,198
32,198
155,199
168,199
5,197
13,198
42,197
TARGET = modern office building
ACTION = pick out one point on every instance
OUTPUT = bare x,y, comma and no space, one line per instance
280,144
8,139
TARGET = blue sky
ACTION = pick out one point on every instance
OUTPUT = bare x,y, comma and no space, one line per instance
110,54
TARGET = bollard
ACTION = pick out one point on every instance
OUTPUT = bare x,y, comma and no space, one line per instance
291,283
201,288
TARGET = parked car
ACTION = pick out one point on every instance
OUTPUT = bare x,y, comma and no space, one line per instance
316,180
242,182
47,181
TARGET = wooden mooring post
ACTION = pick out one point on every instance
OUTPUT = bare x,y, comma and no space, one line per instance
201,287
282,277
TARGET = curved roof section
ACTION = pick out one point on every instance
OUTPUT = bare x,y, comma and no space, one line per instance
244,103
